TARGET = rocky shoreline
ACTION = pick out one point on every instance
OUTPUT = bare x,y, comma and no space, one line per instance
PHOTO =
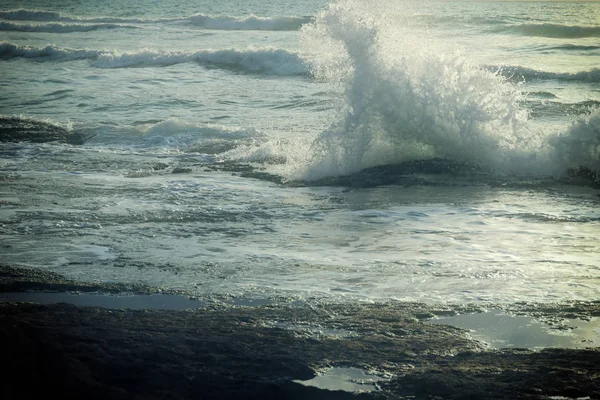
224,351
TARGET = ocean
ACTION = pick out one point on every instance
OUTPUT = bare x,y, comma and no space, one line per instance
285,151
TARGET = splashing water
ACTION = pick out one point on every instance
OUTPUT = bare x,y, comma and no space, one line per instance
405,97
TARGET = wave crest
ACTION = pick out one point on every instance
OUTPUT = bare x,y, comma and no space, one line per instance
224,22
554,30
52,52
251,22
404,99
266,60
257,60
60,27
524,73
31,15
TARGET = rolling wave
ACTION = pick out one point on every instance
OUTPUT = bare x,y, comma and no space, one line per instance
49,52
267,60
549,108
251,22
258,60
573,47
554,30
59,27
528,74
52,16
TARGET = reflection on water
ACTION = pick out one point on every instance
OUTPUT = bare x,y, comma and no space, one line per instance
346,379
500,330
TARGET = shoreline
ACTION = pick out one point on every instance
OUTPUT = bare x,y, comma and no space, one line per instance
274,351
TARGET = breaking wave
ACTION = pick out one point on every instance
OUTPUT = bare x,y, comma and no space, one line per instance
579,146
60,27
404,100
554,30
251,22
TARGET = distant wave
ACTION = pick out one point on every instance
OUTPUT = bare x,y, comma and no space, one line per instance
49,52
553,108
258,60
52,16
520,73
59,27
554,30
31,15
267,60
251,22
573,47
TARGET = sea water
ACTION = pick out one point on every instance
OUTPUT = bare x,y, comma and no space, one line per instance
175,100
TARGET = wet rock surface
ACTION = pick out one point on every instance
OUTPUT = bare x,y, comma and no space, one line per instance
228,352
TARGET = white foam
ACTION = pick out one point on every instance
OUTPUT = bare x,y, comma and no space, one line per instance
405,98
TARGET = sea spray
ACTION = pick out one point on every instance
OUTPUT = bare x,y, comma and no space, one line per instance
405,99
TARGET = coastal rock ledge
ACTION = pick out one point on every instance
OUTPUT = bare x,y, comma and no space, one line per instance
230,352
